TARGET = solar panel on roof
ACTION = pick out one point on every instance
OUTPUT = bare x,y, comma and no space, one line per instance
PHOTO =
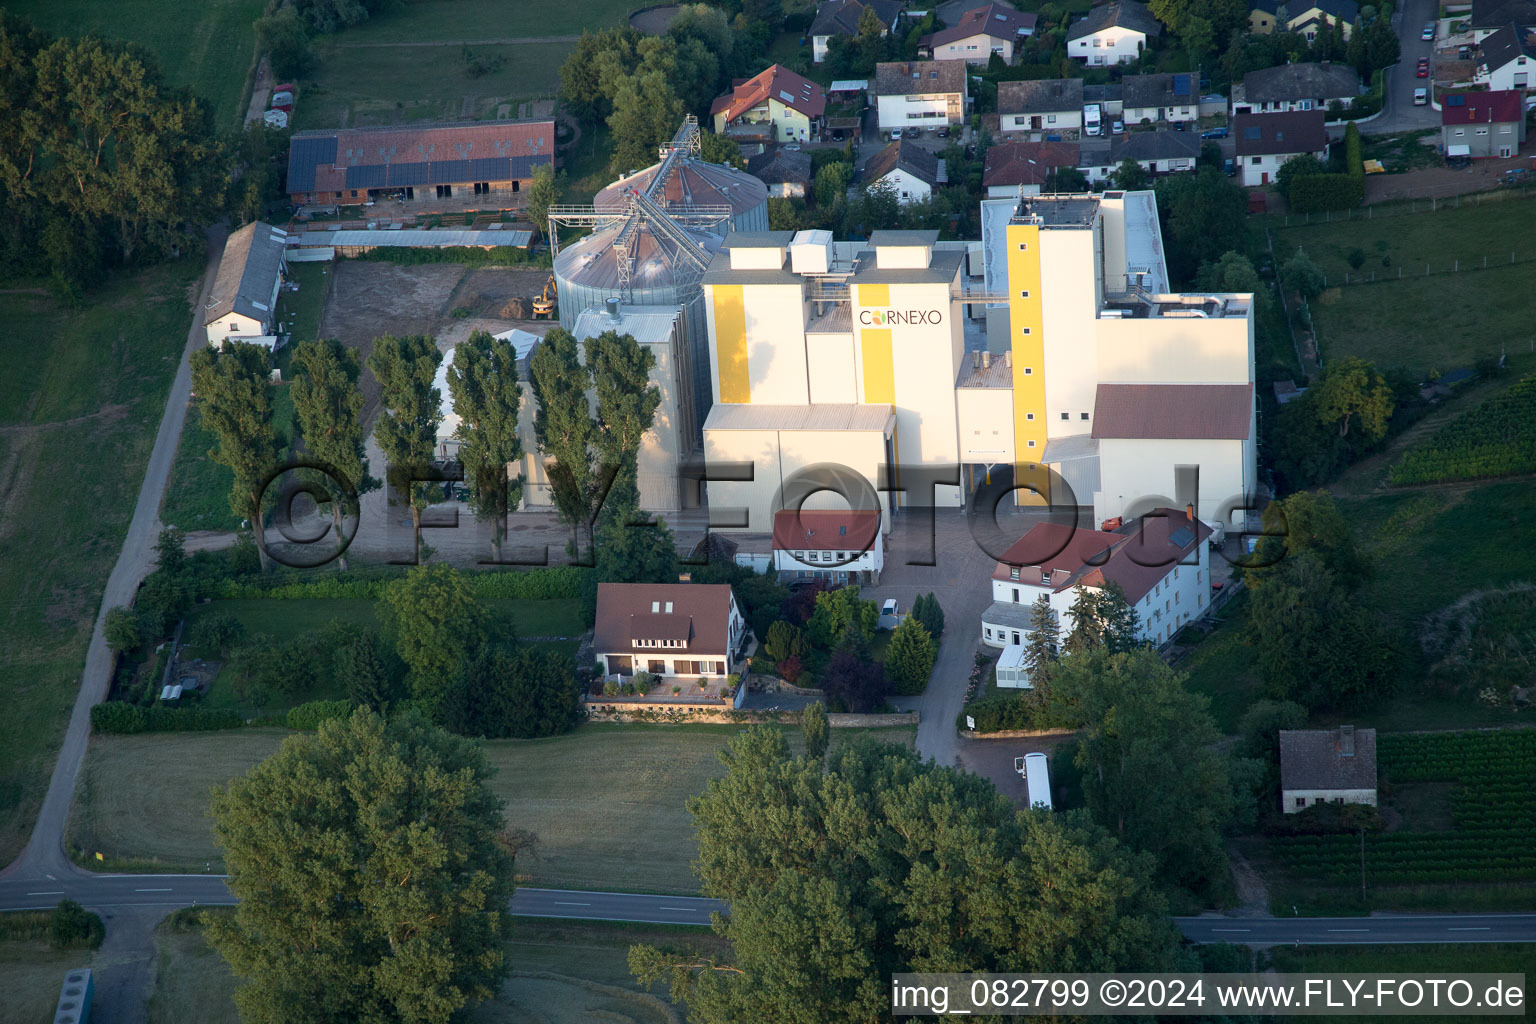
1182,536
1181,85
304,155
445,172
367,176
1456,101
490,168
1253,132
402,175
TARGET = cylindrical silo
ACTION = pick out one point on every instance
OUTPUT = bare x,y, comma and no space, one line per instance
697,183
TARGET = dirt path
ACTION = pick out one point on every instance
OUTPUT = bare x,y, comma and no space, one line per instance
260,91
1252,892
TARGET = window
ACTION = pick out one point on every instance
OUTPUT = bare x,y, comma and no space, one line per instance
1022,247
1176,597
1049,119
1029,371
1098,42
1029,416
1024,294
1503,129
1066,415
1013,573
1031,444
1015,595
1482,131
1460,132
1301,801
989,632
1257,160
1026,331
1015,637
1082,416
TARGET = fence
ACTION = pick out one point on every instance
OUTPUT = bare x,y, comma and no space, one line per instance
1404,206
1404,274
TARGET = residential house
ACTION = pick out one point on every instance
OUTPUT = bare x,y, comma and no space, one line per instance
1265,141
1112,33
980,32
837,546
911,171
776,103
1508,58
920,94
489,160
1308,17
841,18
1024,168
1048,105
1482,124
1327,766
667,629
786,172
1488,16
1146,99
243,304
1158,152
1306,86
1160,561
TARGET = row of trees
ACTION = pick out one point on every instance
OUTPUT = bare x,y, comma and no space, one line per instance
101,163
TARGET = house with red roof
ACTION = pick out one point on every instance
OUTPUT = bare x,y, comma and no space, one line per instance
834,545
691,630
1160,561
978,34
775,105
1482,124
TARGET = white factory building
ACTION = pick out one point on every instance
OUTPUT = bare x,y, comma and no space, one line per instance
1064,364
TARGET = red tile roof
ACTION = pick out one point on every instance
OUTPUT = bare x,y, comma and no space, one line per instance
1136,556
825,530
1506,105
319,161
993,19
1173,411
1026,163
700,615
776,83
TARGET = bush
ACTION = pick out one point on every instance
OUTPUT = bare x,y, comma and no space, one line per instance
123,630
71,926
311,714
785,640
1009,711
118,717
215,634
1327,819
612,689
790,669
1316,193
533,585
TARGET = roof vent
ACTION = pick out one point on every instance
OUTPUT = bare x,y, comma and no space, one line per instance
612,305
1346,741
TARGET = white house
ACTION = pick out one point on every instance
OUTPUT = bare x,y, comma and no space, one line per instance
1264,142
775,105
1508,59
1327,766
838,546
1048,105
1159,97
1114,33
667,629
244,300
841,18
920,94
1160,561
908,169
1306,86
1158,152
1025,168
980,32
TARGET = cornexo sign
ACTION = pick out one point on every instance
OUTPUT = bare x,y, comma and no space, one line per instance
891,317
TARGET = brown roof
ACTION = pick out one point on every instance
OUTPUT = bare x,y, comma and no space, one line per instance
1290,131
911,77
826,530
993,19
775,83
908,156
1040,96
1136,556
1026,163
399,155
1316,758
700,615
1173,411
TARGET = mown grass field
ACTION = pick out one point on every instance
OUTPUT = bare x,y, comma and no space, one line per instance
87,388
197,493
607,801
31,974
209,46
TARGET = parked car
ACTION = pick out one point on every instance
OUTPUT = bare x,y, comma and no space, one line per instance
944,132
1118,128
895,134
1423,70
1229,167
1463,53
1420,97
1214,133
1429,31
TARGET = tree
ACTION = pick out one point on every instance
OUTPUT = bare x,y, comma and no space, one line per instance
1382,48
362,671
1308,521
1300,166
1302,275
721,149
813,726
629,546
387,835
521,694
122,630
646,113
877,208
1141,723
329,408
215,634
1129,175
829,185
839,610
1354,50
597,54
1261,726
565,430
909,658
406,369
1353,395
283,38
930,614
543,192
1101,618
1042,644
938,871
784,640
1203,215
487,398
854,681
234,400
620,368
435,622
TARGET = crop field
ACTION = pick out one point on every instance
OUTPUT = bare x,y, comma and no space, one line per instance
1498,438
209,45
1493,814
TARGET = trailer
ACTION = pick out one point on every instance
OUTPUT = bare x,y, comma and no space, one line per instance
1036,770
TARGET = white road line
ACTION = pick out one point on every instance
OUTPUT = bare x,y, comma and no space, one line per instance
1231,929
1349,929
682,910
151,890
59,893
1484,929
560,904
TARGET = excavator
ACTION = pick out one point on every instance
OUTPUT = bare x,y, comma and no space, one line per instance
544,302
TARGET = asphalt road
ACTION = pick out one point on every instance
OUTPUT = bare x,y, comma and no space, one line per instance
1398,114
1382,929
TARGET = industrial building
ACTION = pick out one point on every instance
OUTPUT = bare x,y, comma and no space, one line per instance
899,372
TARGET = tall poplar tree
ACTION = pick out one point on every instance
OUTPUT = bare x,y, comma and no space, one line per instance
234,397
407,429
565,429
329,407
486,398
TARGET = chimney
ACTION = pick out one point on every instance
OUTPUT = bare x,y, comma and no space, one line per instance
613,309
1008,357
1346,741
1189,510
986,360
975,360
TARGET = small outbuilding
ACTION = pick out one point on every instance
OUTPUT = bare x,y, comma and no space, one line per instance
1323,766
1012,673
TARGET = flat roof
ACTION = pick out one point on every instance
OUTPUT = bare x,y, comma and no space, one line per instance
912,237
826,416
942,268
757,239
415,238
1058,211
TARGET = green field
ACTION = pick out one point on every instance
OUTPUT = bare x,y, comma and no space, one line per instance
1498,438
31,974
455,20
74,438
1420,961
607,801
197,493
209,45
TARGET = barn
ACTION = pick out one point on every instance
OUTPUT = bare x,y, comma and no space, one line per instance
489,162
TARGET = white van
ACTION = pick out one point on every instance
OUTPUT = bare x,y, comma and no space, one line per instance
1093,119
1420,97
1037,773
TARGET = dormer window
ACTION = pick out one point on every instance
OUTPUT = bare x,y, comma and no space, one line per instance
669,607
655,607
1013,573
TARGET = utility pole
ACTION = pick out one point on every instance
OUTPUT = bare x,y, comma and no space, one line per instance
1362,865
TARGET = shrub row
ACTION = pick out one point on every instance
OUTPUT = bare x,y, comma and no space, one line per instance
1006,712
312,714
531,585
118,717
1315,193
66,926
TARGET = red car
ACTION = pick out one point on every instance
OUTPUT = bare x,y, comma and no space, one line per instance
1423,71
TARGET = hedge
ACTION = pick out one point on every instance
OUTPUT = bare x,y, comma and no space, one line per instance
562,581
1315,193
310,715
1354,153
118,717
1009,711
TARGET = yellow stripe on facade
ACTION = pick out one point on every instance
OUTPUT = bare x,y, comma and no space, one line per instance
731,344
1027,329
879,366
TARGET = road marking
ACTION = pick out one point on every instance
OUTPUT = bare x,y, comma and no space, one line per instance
151,890
59,893
560,904
1484,929
1231,929
1349,929
682,910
